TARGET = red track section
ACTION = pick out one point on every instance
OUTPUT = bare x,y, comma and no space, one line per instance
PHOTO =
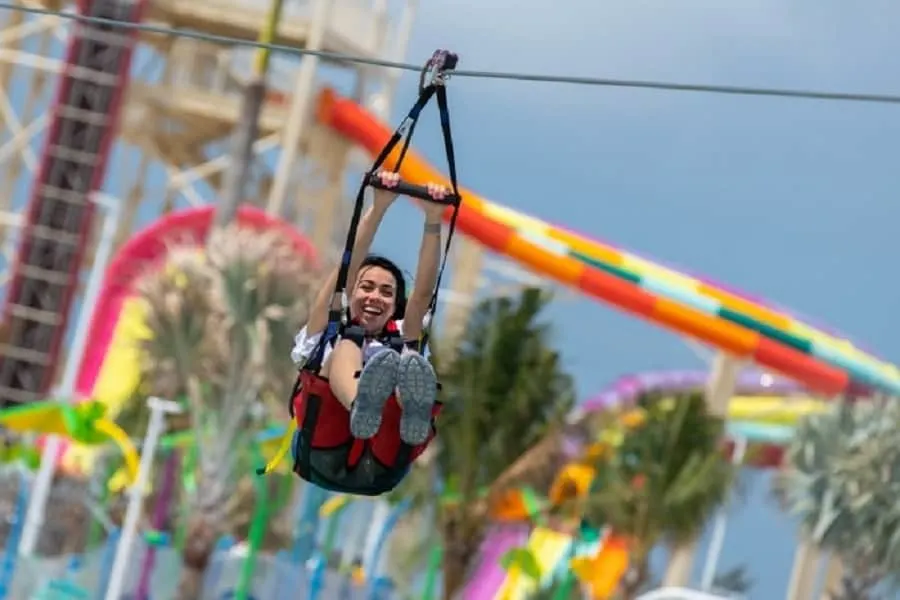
24,377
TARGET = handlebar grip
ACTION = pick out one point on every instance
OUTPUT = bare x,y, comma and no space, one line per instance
413,191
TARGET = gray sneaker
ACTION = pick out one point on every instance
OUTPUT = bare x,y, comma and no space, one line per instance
417,385
376,384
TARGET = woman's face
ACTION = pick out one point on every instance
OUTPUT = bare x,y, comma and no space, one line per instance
374,298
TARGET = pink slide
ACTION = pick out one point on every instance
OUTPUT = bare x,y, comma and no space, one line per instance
488,576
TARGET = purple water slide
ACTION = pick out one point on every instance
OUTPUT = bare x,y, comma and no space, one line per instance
625,389
489,575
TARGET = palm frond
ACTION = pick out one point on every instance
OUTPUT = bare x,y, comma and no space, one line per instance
842,480
506,394
220,328
667,477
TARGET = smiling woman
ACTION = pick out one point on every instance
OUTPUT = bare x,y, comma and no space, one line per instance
374,368
365,365
377,308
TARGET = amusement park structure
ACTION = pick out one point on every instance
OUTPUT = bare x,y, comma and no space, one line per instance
155,112
80,134
57,223
138,122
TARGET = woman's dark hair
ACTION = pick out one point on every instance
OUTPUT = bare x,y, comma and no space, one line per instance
375,260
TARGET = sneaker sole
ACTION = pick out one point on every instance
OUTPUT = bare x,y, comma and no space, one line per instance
376,384
417,385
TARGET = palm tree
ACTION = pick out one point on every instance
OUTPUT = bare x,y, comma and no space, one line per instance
222,321
662,481
504,393
842,480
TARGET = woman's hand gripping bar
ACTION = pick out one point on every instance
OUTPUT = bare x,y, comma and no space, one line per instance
412,190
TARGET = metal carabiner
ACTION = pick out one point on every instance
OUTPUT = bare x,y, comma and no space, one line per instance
438,68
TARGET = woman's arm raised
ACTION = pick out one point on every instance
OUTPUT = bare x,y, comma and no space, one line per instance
368,226
429,263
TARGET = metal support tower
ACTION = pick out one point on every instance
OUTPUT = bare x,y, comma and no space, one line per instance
57,226
184,98
170,147
181,118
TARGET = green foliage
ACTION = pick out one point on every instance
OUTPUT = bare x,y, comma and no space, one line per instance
222,322
842,480
560,589
19,452
505,390
524,560
223,319
666,479
505,393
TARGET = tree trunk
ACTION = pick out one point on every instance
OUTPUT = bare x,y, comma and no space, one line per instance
190,585
463,534
200,542
455,569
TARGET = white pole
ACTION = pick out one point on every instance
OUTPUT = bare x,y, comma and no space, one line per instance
367,74
718,536
354,532
377,521
37,504
398,54
159,408
381,102
300,107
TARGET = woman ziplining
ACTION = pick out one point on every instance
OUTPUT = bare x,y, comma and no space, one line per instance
374,369
365,400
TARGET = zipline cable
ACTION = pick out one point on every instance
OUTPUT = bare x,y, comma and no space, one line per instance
510,76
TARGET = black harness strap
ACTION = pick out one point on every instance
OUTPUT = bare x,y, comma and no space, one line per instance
444,110
302,464
337,314
438,66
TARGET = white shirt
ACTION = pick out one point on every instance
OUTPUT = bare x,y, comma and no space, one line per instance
305,345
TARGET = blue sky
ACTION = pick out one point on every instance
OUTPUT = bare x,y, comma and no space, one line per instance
792,200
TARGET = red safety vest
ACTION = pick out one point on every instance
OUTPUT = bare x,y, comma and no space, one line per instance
324,424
